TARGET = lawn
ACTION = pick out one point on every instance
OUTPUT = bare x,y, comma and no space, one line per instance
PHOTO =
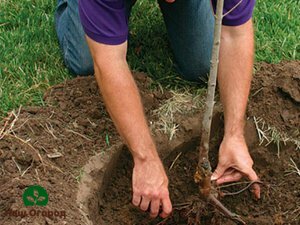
30,59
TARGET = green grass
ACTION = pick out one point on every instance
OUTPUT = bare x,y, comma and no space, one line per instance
30,59
277,25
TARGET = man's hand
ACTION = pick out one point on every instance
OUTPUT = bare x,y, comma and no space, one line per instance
235,162
150,187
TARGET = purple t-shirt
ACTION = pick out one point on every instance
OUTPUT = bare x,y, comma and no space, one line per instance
105,21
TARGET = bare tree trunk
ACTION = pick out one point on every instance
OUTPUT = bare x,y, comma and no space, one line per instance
203,173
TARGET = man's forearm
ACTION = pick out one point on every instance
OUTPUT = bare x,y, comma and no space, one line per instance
122,99
235,74
123,102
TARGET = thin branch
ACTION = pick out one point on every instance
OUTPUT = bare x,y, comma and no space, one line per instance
233,8
25,171
5,131
233,184
81,135
17,165
294,169
5,125
29,145
173,163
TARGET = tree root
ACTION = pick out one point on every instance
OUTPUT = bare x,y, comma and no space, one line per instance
240,191
230,215
215,202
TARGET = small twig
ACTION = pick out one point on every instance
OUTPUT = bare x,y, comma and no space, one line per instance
9,130
244,189
25,171
182,206
92,123
173,163
37,174
81,135
297,212
234,184
5,125
19,127
50,130
17,164
32,131
255,93
233,8
261,134
29,145
294,169
37,153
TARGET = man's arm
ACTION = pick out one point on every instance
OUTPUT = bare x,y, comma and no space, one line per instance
122,100
235,74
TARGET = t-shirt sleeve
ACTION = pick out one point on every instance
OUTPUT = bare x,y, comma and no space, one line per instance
238,16
104,21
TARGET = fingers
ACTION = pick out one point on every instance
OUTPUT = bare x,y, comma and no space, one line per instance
166,207
220,170
154,208
230,177
252,176
136,200
145,203
235,175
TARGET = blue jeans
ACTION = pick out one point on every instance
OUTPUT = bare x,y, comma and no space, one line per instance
189,26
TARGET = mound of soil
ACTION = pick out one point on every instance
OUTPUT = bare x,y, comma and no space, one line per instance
50,145
275,96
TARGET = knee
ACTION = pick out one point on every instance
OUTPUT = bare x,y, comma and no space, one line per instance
80,69
81,65
196,71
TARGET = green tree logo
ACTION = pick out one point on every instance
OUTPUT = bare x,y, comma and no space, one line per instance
35,195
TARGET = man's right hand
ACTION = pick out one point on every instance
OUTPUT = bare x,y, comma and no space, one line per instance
150,187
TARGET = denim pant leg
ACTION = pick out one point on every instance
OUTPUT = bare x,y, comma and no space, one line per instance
71,37
190,26
76,53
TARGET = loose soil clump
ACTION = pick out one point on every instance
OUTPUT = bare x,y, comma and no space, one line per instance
50,145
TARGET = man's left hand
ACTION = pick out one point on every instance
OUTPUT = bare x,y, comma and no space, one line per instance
235,162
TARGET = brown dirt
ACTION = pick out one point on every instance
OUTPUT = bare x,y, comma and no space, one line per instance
75,124
279,203
276,96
